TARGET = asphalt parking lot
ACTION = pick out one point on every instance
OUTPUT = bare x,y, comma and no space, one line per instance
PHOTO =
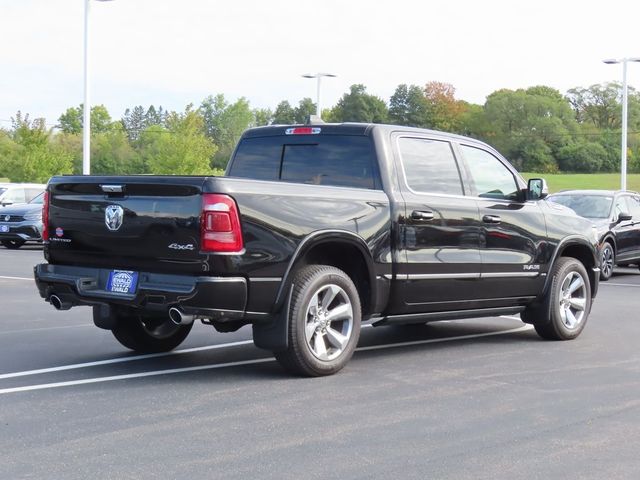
462,400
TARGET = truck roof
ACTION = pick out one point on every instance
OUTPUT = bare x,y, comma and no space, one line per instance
350,128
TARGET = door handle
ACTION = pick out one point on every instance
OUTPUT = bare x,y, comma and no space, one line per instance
420,215
491,219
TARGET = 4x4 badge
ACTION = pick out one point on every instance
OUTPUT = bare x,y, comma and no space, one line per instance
113,216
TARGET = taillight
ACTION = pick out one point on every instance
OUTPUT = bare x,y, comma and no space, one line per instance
220,224
45,217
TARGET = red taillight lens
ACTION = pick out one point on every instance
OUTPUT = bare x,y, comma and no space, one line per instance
220,224
45,217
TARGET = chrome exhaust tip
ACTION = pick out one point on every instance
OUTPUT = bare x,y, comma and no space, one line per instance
58,303
178,317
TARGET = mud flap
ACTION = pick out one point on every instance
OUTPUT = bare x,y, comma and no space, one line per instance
104,317
274,335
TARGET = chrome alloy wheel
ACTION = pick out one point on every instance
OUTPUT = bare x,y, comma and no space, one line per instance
607,261
329,322
573,300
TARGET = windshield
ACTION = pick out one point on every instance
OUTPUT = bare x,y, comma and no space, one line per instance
590,206
2,190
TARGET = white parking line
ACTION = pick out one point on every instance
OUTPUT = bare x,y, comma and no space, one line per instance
602,284
17,278
44,329
111,361
85,381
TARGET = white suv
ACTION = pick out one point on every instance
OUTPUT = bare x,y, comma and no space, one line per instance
11,193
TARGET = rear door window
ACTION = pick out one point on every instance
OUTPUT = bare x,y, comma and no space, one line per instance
338,160
430,166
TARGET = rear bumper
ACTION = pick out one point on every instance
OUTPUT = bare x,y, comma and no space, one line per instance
218,298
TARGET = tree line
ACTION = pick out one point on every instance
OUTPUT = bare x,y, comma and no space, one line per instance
539,129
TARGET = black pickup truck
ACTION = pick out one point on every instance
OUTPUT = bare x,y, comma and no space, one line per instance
313,230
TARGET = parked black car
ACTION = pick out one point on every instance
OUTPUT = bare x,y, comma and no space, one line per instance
616,215
21,223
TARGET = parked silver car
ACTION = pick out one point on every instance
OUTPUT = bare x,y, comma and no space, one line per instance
21,223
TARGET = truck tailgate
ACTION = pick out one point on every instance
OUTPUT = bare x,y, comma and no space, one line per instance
148,223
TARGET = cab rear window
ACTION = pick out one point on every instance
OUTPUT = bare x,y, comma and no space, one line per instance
337,160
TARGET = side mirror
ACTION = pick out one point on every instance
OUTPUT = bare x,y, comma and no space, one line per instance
624,217
537,189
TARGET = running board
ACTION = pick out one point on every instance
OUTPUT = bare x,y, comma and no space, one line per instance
450,315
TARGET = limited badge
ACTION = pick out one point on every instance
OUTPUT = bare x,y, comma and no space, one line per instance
113,216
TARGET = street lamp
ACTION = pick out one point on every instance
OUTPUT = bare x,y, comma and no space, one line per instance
623,164
318,76
86,108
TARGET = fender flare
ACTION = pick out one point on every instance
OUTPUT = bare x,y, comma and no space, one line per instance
541,305
274,335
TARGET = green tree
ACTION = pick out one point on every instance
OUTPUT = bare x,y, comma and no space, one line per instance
359,106
262,116
284,114
408,106
134,122
224,123
597,105
71,121
582,157
36,158
112,154
529,126
8,151
304,110
180,148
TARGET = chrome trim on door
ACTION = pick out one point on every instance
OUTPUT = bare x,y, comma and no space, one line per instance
510,274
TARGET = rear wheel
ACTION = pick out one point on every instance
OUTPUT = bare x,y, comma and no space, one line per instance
608,261
149,334
324,322
12,244
569,301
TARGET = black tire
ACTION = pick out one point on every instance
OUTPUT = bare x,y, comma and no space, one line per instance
608,261
324,322
12,244
569,302
149,334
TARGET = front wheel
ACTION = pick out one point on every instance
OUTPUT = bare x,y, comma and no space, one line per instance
324,322
149,334
569,301
608,261
12,244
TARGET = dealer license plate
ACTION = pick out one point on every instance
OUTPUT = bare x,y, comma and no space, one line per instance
122,281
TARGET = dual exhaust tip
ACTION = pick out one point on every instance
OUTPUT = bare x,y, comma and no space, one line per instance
176,315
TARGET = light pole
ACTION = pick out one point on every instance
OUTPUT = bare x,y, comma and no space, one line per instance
319,77
623,164
86,107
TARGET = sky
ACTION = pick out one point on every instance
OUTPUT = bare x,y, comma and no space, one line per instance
176,52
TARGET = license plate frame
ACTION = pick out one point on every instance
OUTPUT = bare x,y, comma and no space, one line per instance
122,282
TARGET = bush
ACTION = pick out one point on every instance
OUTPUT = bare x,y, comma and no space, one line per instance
587,157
